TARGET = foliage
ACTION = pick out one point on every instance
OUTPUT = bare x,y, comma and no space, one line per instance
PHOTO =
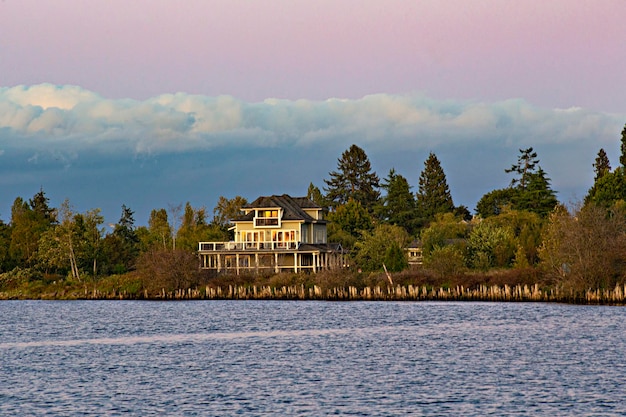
446,229
167,269
530,190
585,249
314,194
348,222
354,179
602,165
608,189
375,248
227,210
622,158
445,261
159,230
537,196
397,207
494,202
433,196
490,245
526,163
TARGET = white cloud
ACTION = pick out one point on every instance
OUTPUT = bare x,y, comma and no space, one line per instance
34,116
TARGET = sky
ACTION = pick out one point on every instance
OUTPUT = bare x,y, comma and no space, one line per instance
153,103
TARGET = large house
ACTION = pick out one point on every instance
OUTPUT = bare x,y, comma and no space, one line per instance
274,234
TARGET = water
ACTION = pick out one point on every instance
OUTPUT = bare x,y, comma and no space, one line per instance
221,358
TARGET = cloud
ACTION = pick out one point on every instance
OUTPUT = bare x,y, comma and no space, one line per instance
77,119
176,147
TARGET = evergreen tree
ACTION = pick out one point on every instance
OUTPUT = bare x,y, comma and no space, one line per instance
494,202
122,246
526,163
433,196
314,194
537,197
398,205
602,165
353,179
622,158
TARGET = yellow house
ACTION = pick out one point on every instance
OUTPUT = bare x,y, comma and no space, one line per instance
274,234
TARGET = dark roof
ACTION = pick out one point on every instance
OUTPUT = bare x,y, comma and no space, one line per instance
293,207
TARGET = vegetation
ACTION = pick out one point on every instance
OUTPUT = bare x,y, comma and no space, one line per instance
519,235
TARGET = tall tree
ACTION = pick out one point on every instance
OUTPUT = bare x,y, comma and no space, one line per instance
526,163
537,197
122,246
398,205
434,195
28,222
622,158
228,209
159,230
354,179
314,194
601,166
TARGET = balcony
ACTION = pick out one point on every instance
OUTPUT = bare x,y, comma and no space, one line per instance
260,246
266,222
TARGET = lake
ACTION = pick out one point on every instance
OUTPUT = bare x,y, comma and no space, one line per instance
222,358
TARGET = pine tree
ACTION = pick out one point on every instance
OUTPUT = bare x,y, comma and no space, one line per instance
537,197
398,205
622,158
433,196
525,166
602,166
353,179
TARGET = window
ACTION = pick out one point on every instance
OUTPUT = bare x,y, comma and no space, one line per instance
266,218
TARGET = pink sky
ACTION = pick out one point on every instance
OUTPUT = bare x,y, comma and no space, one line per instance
558,53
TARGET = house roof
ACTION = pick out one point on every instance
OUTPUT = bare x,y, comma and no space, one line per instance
293,207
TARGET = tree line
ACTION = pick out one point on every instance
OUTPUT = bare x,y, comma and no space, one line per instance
521,226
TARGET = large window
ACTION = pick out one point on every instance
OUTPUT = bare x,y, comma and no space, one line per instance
266,218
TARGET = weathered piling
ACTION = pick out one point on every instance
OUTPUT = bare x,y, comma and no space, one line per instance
506,293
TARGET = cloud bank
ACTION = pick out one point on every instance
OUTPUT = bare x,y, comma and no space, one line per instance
171,148
46,115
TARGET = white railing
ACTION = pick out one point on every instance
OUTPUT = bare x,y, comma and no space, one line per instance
243,246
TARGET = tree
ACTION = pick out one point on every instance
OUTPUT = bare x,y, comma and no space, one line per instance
494,202
314,194
601,166
381,246
353,179
526,163
608,189
28,222
227,210
490,245
398,205
445,230
537,197
622,158
159,230
122,246
348,222
529,191
433,196
585,249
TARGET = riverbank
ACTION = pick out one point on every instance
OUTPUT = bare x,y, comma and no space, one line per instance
497,286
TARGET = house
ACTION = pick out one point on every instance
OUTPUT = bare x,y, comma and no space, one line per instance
274,234
414,253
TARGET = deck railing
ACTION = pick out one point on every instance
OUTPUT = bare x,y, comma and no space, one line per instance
243,246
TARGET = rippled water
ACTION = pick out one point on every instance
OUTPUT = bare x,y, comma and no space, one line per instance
310,358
